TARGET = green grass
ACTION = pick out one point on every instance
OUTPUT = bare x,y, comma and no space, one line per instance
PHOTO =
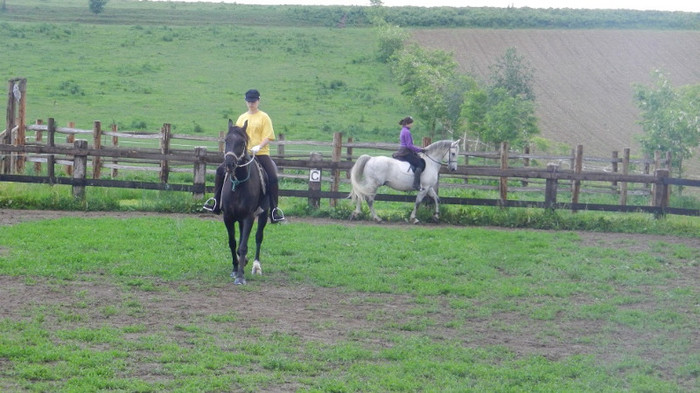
141,76
453,288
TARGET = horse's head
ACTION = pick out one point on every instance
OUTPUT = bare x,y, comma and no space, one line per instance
453,155
236,148
444,151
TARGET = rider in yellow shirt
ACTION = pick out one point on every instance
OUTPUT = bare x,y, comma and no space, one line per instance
260,133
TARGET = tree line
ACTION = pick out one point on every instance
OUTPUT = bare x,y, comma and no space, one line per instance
461,17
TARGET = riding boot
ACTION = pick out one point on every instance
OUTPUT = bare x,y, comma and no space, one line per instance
276,214
416,179
218,186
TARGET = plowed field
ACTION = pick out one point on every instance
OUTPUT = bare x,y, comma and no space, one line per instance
583,78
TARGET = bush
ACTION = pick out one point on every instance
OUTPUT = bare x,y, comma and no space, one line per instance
97,6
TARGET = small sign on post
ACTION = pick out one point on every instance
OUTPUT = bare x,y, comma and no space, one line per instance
314,183
315,175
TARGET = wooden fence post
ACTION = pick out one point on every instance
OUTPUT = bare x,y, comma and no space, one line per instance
625,171
335,157
349,157
503,181
280,150
80,170
550,191
164,149
21,129
222,142
50,159
647,167
5,165
526,163
70,138
660,189
314,182
615,159
97,144
38,138
572,163
466,160
578,168
115,144
200,172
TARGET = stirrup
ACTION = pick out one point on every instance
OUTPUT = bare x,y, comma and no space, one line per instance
206,205
277,218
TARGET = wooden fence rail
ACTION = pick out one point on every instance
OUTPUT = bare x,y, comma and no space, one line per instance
561,172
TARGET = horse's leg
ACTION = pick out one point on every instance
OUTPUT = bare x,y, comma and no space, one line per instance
244,227
262,221
434,195
231,229
358,208
419,198
370,203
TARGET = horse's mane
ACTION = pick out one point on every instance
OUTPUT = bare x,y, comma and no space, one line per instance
444,144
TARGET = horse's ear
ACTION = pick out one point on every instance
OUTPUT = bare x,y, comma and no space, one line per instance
245,125
230,123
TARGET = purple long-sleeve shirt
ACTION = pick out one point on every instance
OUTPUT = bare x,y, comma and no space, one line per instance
406,140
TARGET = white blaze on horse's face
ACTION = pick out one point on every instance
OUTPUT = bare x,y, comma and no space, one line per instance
453,156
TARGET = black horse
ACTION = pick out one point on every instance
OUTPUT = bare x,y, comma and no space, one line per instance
242,199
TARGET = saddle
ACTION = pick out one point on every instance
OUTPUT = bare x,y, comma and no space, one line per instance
401,156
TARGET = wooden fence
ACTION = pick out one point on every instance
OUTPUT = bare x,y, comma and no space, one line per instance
84,162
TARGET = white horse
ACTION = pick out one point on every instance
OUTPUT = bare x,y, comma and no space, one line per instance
369,173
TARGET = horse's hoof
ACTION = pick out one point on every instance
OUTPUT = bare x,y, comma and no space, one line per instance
239,281
377,219
234,275
415,221
257,269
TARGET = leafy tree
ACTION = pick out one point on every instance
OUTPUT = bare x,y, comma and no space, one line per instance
510,119
426,77
391,40
504,110
514,74
97,6
670,119
376,13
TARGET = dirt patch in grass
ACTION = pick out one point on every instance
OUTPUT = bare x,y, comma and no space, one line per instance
332,315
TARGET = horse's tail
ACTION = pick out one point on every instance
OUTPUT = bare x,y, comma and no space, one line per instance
358,189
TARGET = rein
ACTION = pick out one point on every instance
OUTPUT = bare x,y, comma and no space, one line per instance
235,182
449,158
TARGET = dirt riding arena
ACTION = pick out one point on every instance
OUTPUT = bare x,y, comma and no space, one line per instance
301,310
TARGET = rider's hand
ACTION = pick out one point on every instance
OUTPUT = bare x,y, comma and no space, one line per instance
255,149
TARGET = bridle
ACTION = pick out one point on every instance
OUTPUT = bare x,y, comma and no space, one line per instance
236,159
240,157
449,157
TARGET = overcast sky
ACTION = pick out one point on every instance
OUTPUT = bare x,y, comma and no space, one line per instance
668,5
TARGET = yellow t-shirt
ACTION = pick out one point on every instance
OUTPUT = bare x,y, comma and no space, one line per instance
259,128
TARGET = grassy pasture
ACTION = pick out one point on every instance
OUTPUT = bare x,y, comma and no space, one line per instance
140,76
145,305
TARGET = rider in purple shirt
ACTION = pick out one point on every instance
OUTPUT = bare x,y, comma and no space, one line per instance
408,151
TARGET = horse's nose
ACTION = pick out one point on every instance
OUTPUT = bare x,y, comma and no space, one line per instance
229,162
